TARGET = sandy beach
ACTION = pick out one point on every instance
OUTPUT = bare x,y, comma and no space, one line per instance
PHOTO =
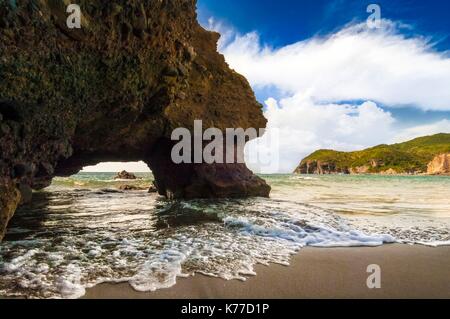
406,272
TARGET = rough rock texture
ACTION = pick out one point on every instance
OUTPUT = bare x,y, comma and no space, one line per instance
319,168
113,91
440,165
202,181
125,175
327,168
9,199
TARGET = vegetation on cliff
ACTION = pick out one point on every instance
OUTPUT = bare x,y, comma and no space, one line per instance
408,157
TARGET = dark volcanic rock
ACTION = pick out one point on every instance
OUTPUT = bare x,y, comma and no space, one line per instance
202,180
125,175
113,91
9,199
152,189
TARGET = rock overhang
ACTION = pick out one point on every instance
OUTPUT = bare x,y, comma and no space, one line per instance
113,91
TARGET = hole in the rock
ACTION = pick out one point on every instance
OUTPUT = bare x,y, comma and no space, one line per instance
99,199
112,175
108,178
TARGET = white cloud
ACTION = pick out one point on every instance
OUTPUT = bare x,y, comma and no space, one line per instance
303,126
135,167
316,77
353,64
442,126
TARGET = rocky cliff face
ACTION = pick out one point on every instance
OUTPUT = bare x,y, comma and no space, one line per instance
319,168
440,165
113,91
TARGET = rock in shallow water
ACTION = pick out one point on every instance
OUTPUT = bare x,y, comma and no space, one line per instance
125,175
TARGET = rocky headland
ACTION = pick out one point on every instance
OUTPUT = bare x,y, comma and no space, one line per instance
114,90
425,155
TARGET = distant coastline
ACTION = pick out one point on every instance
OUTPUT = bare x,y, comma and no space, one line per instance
428,155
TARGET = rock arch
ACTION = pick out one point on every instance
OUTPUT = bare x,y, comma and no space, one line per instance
113,91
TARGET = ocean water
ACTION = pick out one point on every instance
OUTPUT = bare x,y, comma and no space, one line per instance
82,230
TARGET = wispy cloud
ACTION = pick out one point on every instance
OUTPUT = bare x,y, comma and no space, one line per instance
353,64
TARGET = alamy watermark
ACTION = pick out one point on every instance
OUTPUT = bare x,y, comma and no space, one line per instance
374,19
74,19
374,279
213,145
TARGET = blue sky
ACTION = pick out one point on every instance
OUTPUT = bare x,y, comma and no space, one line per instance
288,21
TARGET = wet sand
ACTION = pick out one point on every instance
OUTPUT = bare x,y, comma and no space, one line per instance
406,272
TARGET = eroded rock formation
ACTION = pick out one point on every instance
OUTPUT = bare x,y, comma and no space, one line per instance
440,165
9,199
319,167
125,175
113,91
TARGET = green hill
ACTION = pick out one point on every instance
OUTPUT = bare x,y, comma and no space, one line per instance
408,157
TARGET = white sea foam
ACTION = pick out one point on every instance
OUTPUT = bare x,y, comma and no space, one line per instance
160,272
69,285
435,243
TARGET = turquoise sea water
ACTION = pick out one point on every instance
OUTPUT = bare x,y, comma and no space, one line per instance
82,230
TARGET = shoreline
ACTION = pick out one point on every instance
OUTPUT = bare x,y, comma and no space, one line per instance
374,174
407,271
